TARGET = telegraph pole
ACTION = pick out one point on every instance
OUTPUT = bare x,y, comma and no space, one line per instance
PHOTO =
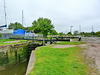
71,29
80,30
92,30
5,13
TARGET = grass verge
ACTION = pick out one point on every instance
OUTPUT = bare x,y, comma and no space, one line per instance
60,61
71,43
2,41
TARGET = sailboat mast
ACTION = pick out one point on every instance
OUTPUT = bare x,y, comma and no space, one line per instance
5,13
22,17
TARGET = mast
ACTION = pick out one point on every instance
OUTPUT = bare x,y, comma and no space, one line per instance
22,17
5,13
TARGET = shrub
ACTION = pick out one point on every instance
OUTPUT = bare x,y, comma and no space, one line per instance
0,35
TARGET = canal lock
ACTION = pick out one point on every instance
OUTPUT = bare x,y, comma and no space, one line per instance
14,58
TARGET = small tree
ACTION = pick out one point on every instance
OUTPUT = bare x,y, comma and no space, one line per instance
61,33
15,26
69,33
98,33
0,35
76,32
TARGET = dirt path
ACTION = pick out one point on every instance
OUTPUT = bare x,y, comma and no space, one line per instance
92,52
63,46
12,41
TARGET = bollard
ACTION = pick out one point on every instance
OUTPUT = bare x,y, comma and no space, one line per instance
51,40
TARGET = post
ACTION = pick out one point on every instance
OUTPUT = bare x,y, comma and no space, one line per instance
19,58
16,56
92,30
7,60
80,30
51,40
71,29
43,42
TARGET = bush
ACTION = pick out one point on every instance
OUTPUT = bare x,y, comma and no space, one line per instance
0,35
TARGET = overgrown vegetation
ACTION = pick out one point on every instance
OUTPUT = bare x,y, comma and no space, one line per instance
60,61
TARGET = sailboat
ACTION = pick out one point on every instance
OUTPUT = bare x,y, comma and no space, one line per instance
3,28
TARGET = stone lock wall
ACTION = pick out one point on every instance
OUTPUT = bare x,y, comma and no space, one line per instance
13,54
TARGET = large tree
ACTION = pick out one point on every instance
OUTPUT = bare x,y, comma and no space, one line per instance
43,26
15,26
53,32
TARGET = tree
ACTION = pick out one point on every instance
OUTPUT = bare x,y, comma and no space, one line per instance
76,32
42,26
0,35
69,33
28,29
53,32
15,26
98,33
61,33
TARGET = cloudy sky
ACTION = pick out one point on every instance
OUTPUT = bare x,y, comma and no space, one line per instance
63,13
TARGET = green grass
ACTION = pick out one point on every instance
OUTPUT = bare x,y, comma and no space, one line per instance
5,40
70,43
57,61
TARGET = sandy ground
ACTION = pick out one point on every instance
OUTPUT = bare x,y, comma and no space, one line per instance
92,52
63,46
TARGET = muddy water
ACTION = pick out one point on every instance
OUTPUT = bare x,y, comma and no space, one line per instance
19,69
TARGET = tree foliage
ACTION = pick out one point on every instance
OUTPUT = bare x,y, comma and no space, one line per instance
43,26
0,35
69,33
61,33
53,32
98,33
76,32
15,26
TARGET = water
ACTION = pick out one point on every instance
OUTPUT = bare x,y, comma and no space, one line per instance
19,69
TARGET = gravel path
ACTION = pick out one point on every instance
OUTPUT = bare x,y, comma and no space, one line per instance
92,51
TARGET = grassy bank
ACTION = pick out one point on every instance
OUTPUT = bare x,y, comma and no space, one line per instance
2,41
70,43
60,61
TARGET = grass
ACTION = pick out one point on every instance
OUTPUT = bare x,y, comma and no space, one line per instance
60,61
70,43
5,40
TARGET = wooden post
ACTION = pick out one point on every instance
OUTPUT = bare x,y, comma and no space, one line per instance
7,60
51,40
16,56
43,42
19,58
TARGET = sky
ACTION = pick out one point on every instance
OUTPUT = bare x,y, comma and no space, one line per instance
62,13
